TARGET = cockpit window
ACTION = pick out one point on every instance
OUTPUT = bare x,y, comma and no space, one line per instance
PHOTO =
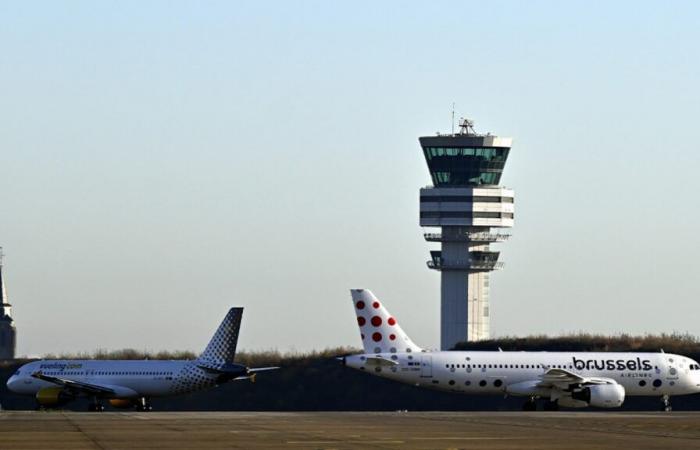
17,373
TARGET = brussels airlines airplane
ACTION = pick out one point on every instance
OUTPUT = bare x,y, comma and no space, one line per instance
127,384
570,379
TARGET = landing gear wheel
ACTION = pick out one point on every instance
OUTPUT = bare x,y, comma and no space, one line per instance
666,403
96,407
143,405
551,405
530,405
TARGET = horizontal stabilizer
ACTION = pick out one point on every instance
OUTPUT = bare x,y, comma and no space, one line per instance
261,369
379,361
228,368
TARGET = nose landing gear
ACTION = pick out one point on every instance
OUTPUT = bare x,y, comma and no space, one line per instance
143,404
95,405
666,403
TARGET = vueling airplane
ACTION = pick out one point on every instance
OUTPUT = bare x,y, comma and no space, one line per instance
129,384
569,379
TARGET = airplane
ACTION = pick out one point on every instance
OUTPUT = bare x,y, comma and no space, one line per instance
132,383
567,379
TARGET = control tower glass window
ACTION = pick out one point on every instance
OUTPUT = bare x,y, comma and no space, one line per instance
465,166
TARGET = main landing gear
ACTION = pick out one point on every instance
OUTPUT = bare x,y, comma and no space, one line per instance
530,405
143,404
95,406
666,403
551,405
548,405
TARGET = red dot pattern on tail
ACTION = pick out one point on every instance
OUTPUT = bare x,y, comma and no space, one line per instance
382,331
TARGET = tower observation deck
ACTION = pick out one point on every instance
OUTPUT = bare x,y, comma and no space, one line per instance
467,203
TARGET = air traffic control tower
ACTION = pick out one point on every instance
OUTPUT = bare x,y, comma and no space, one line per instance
467,202
8,333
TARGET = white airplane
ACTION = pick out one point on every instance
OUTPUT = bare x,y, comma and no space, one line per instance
128,384
569,379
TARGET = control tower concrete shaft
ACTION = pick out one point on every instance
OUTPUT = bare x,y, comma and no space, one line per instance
7,326
467,203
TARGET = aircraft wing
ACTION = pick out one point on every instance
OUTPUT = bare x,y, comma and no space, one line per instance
88,388
562,378
232,371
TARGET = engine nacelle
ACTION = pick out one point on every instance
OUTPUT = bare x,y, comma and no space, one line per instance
52,397
601,395
121,403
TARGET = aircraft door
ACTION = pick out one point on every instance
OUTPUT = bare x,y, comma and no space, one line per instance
426,366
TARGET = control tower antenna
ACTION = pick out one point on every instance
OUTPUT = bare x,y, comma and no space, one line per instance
466,127
453,118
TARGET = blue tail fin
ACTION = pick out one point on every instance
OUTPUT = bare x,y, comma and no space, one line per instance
222,347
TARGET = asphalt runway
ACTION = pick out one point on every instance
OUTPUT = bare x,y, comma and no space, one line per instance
340,430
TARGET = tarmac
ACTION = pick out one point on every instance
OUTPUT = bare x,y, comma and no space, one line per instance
21,430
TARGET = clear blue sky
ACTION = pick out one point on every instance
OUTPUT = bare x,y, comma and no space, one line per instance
162,161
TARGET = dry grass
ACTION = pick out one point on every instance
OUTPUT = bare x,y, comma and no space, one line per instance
671,343
258,358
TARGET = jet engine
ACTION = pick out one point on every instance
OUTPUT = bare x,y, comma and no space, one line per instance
121,403
601,395
53,397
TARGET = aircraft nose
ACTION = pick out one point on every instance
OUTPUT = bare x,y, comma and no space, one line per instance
12,383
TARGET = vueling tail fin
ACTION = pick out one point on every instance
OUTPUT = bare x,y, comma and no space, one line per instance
380,331
222,347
